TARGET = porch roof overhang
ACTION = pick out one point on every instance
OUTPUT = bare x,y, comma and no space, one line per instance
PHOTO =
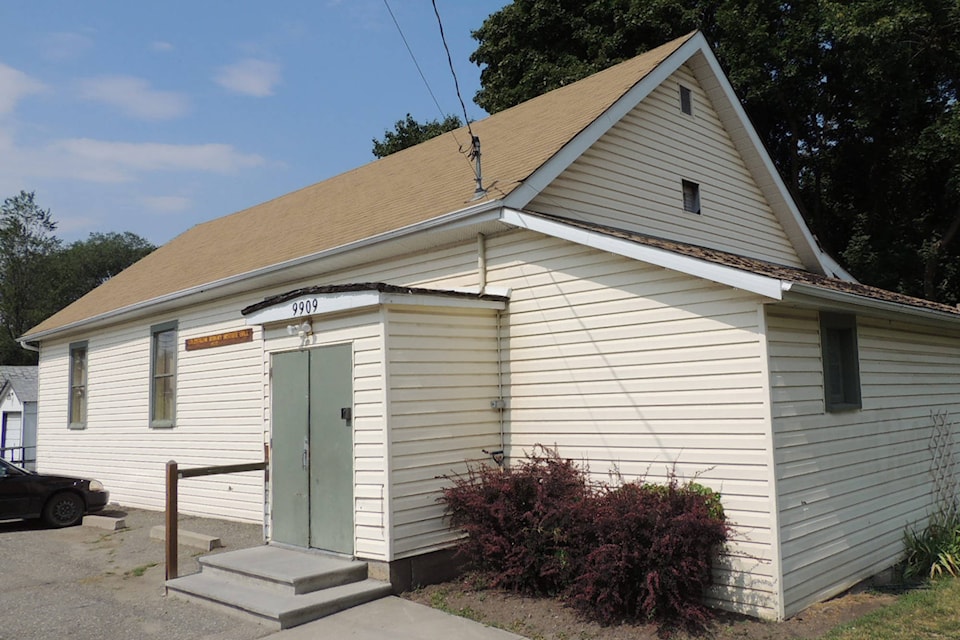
324,299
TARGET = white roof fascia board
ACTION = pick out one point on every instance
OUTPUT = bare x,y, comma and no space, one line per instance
303,307
485,211
793,223
548,171
737,278
426,300
812,295
306,306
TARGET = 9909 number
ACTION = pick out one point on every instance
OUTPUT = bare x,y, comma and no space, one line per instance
304,307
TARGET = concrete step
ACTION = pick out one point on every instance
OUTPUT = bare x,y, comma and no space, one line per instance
286,571
279,587
273,609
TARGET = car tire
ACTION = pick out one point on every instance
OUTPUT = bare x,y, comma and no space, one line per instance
64,509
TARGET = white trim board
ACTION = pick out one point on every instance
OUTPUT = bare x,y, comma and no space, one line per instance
752,282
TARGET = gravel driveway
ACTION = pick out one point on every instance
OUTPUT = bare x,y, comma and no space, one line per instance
85,583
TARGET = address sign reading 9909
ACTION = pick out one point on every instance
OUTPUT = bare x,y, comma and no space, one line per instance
305,307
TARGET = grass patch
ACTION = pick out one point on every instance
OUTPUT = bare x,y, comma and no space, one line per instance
438,600
137,572
926,613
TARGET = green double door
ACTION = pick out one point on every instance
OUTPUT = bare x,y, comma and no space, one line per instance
312,400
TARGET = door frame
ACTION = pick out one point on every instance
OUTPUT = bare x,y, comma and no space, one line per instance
346,539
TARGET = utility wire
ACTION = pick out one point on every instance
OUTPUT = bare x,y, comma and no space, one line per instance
474,153
456,84
414,58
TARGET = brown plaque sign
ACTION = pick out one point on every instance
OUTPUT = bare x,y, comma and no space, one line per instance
220,339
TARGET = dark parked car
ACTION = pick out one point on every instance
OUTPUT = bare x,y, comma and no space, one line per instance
61,501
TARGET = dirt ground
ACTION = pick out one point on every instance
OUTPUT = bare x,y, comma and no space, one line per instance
546,619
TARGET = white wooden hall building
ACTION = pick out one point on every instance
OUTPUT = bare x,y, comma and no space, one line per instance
635,287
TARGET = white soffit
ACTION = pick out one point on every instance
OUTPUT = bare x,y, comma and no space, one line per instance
318,304
755,283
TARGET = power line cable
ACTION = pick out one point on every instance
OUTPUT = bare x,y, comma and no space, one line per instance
474,153
414,58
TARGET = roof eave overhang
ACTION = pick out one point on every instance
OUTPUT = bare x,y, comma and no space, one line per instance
765,286
818,297
486,211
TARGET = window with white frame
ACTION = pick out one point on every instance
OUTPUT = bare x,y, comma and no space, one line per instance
163,374
841,361
77,404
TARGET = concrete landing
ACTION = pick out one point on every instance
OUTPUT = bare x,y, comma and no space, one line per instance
278,587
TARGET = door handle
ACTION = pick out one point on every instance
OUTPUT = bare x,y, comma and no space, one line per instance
306,453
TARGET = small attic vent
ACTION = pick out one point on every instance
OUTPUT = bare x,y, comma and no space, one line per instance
691,196
686,100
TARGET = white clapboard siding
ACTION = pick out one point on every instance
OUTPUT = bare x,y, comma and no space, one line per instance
850,482
363,331
631,179
442,371
641,372
218,416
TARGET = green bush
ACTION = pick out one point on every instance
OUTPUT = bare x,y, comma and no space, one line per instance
934,551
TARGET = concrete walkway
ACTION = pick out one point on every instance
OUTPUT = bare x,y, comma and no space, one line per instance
393,618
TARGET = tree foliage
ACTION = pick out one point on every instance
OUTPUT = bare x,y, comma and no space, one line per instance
409,132
856,102
39,275
26,242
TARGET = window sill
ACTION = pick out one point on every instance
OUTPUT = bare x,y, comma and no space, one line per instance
843,408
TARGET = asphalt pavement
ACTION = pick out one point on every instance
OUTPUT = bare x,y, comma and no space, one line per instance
86,583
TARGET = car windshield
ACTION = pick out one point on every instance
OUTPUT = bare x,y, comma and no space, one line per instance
9,469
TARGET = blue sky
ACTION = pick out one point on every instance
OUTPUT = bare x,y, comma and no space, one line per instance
152,117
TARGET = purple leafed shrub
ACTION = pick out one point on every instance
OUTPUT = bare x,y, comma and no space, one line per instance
654,559
634,552
523,523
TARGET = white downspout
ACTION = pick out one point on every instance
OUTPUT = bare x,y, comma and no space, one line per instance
482,262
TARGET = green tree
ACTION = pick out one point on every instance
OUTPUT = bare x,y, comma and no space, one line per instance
856,102
26,244
409,132
39,275
86,264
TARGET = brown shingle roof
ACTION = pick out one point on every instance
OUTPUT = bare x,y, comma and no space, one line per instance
411,186
759,267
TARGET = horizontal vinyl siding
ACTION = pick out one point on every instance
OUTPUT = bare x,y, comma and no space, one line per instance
850,482
363,332
218,417
443,375
631,179
640,371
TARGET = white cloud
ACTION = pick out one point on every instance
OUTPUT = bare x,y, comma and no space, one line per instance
14,85
166,204
161,46
134,97
126,157
250,77
99,161
61,47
